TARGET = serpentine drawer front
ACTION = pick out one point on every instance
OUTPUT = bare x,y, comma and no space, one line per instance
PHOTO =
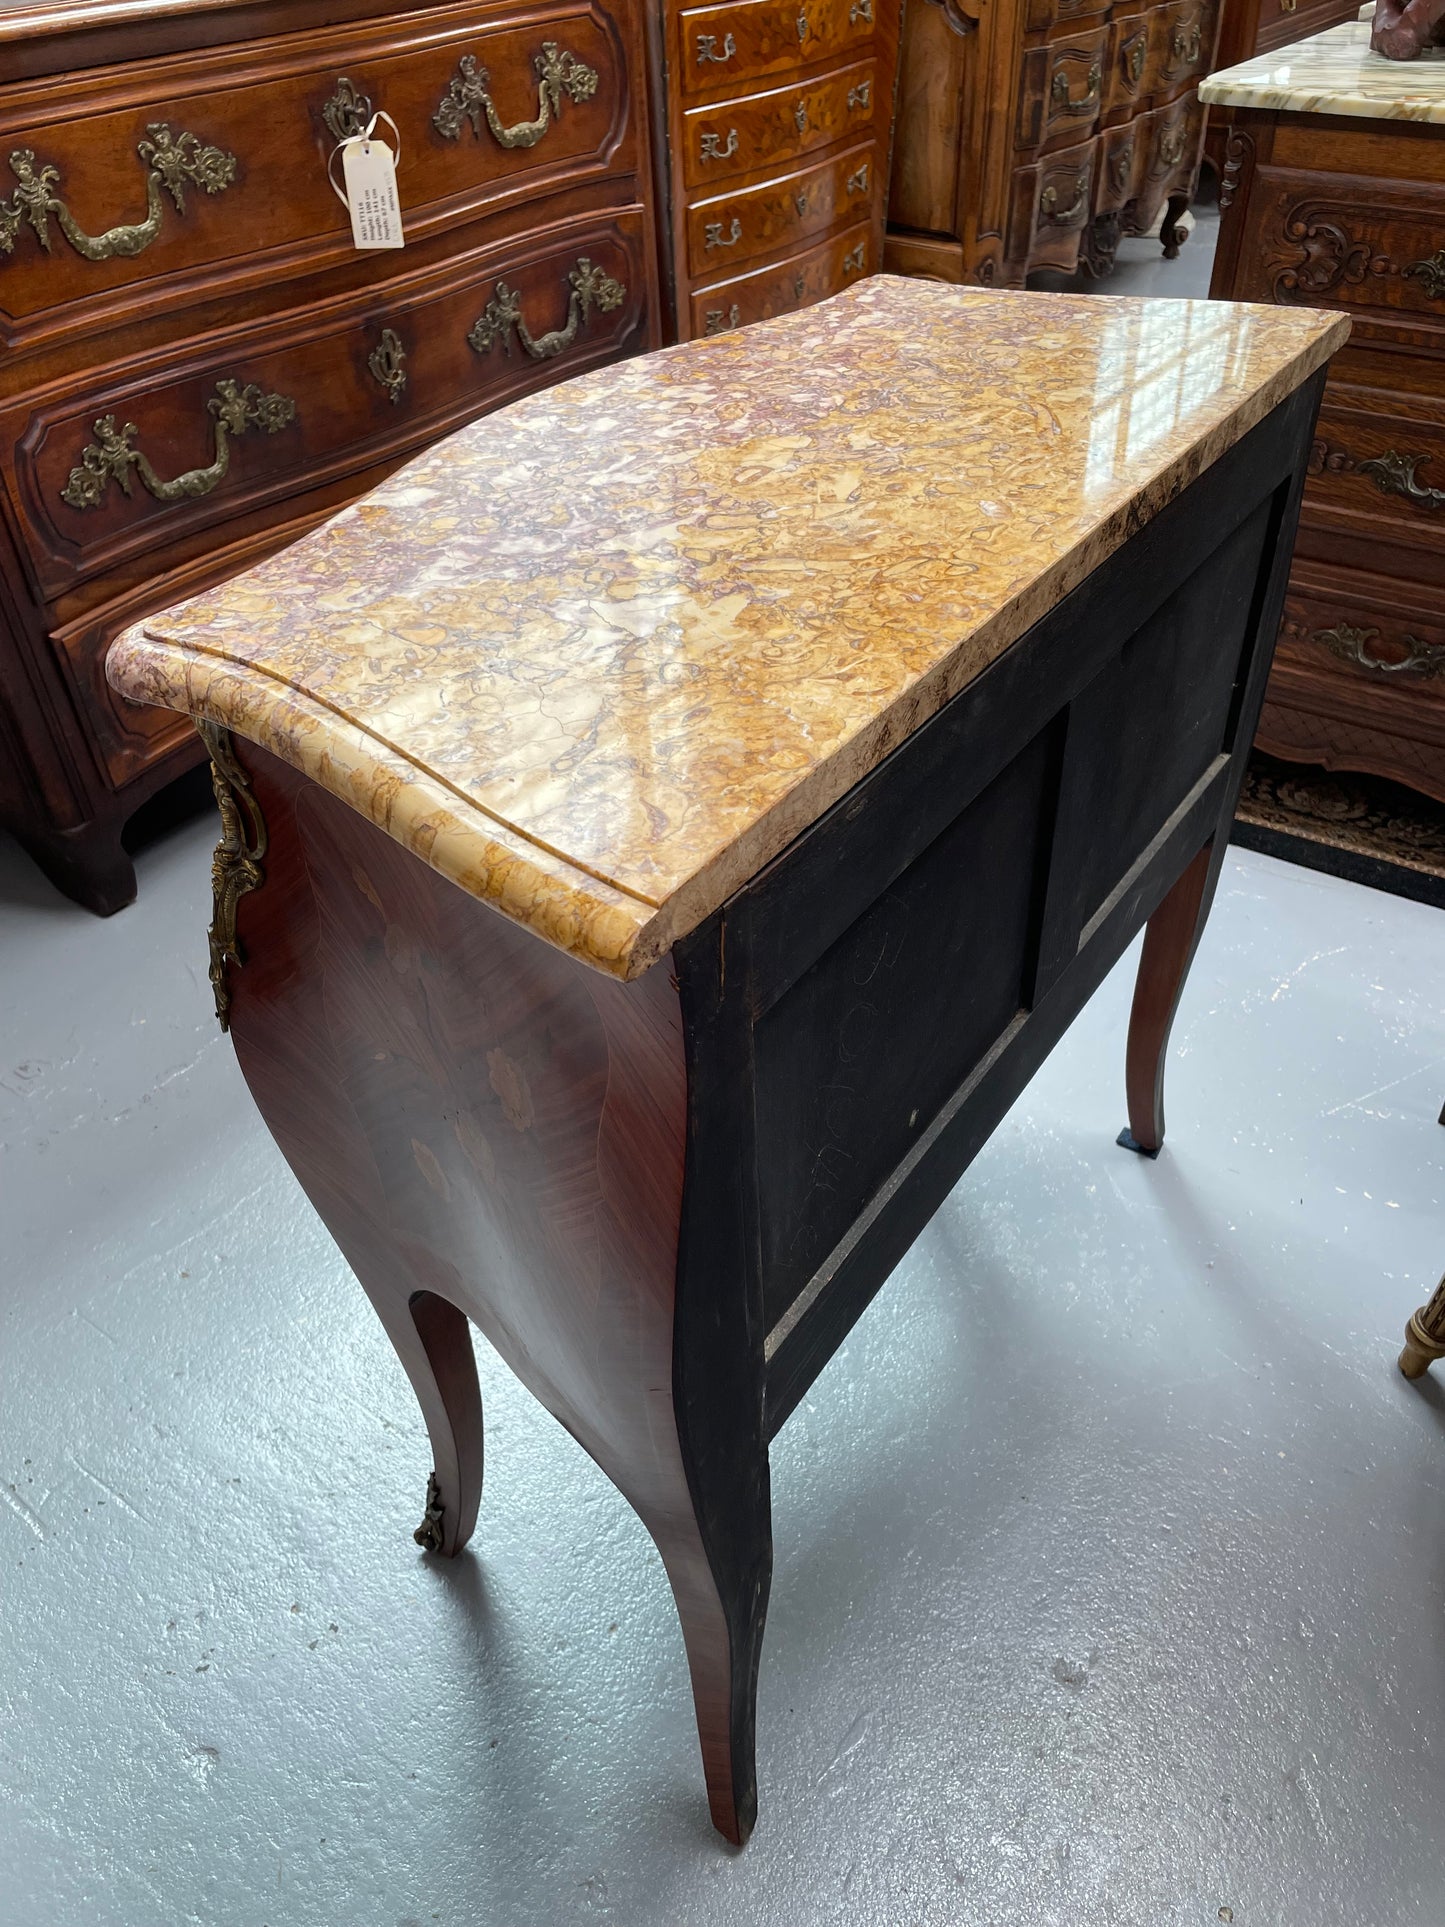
196,362
229,175
570,924
780,123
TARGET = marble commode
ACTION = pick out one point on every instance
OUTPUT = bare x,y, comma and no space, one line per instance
824,708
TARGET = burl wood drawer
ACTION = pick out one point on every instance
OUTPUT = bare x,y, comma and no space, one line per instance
750,39
735,136
809,276
1375,247
778,213
130,191
1061,87
120,467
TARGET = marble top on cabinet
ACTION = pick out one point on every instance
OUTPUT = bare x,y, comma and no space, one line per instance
1335,73
600,656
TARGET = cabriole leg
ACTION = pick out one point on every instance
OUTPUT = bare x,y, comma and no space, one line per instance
1170,940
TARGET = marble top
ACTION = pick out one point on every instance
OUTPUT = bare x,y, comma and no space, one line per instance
1335,73
601,655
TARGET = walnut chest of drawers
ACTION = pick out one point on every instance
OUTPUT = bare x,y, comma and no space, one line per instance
1347,210
1034,133
197,363
778,121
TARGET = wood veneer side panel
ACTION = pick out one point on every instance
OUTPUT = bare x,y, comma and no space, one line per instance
473,1115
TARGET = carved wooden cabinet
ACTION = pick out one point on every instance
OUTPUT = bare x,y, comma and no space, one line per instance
195,362
1330,211
778,121
1250,27
1035,133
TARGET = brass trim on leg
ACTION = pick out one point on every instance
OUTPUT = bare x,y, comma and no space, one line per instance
236,865
1425,1336
429,1534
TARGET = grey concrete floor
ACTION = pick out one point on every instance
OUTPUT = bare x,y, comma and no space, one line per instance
1140,267
1110,1566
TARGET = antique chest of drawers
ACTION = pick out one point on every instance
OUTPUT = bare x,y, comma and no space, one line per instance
199,365
778,121
1036,133
1339,202
1250,27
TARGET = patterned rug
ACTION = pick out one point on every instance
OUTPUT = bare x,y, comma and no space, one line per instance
1360,827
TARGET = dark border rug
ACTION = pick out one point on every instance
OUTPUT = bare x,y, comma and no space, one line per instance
1363,828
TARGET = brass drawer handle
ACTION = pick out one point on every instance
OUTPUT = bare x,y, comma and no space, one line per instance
721,321
713,236
111,456
589,288
1185,46
857,183
173,160
1171,146
1120,165
860,10
1049,201
855,257
800,202
1089,99
1426,659
1430,274
1133,52
1394,474
715,149
387,362
802,28
469,98
800,117
348,113
860,95
707,48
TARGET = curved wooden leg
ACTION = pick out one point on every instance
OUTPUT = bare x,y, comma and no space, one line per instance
1169,943
1425,1336
434,1343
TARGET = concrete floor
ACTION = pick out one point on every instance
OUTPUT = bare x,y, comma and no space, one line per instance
1109,1552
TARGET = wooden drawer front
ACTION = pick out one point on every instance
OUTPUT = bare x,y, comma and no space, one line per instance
115,471
1183,45
1061,88
810,276
1126,62
1280,24
1382,246
752,38
1120,153
756,220
1378,473
1053,201
1167,152
1367,644
737,135
1043,15
229,174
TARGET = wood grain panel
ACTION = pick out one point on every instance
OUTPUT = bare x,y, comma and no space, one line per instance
768,37
763,130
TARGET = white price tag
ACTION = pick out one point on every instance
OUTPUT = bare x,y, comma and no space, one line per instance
368,167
